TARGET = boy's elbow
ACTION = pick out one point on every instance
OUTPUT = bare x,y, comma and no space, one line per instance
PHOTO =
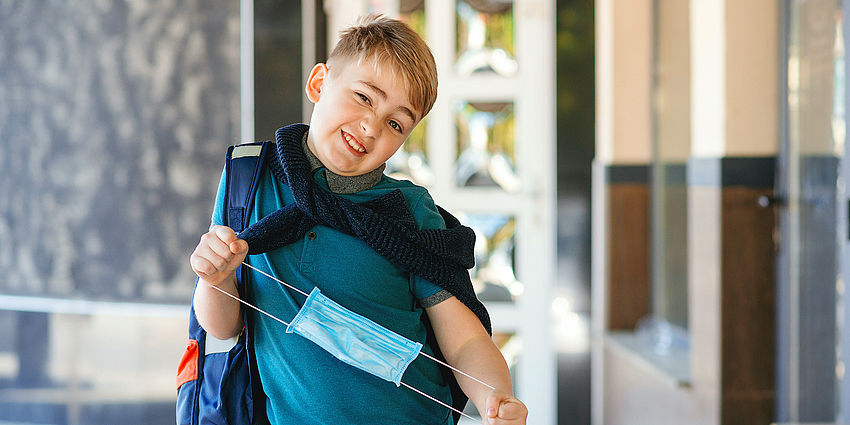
222,331
218,325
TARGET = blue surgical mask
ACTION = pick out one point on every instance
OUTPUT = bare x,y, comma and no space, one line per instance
354,339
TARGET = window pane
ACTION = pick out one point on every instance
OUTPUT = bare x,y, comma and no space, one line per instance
494,274
809,346
485,37
671,139
486,145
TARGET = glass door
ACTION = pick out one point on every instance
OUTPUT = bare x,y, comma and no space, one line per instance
810,285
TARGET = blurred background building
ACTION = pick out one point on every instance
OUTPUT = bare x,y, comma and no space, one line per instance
114,119
658,188
720,241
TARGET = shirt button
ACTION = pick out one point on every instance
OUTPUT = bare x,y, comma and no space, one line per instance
311,236
325,173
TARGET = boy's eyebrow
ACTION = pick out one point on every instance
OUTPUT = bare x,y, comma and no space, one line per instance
383,95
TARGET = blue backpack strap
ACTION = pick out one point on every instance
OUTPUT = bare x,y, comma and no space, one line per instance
244,164
217,381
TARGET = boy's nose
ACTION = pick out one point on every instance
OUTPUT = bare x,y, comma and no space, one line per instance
369,126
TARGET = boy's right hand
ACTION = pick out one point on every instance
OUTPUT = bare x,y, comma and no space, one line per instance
218,254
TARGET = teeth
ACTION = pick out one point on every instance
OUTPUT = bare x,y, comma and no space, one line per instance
354,145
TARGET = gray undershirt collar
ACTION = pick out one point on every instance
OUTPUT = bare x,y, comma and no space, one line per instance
343,184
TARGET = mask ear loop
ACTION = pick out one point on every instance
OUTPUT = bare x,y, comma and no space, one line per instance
422,353
275,279
402,383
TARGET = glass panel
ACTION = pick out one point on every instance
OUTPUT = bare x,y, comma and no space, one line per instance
808,346
671,145
494,274
485,37
485,145
411,161
88,368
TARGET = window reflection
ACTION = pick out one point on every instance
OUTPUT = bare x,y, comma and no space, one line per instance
485,37
486,145
494,274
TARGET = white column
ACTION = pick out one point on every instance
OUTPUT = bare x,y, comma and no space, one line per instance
246,69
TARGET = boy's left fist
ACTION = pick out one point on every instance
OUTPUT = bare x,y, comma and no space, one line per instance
504,409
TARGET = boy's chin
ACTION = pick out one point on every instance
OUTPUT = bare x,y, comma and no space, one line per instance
360,170
354,173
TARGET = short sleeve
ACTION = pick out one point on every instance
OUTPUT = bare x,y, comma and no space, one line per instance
218,207
427,217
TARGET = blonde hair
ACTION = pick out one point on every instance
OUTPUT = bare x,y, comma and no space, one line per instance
389,41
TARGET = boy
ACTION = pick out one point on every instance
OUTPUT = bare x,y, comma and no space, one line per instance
378,83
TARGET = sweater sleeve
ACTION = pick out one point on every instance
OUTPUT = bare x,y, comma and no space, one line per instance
427,217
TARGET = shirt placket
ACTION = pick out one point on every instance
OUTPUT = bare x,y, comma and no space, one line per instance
308,254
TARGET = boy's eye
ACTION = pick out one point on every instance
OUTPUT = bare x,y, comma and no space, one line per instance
395,125
364,98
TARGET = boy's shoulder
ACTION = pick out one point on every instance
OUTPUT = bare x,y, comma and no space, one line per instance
418,199
411,191
399,183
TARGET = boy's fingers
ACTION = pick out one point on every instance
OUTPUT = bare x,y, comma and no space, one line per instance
216,252
239,246
202,266
512,409
504,409
492,406
237,258
216,246
226,234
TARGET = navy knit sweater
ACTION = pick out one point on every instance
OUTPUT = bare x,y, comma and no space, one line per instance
441,256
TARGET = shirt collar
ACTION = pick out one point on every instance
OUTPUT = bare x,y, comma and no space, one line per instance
343,184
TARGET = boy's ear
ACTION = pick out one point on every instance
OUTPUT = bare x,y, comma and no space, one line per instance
316,81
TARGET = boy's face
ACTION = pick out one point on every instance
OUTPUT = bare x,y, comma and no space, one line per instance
361,116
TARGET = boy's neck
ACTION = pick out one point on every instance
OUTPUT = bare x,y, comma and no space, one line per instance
343,184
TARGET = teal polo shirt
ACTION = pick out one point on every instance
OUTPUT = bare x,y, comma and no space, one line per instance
304,383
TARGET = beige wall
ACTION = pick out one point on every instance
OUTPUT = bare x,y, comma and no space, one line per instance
734,59
752,87
624,61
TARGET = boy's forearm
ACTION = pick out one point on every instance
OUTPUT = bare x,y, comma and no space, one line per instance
217,313
480,358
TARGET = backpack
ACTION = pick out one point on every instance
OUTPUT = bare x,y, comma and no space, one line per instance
217,381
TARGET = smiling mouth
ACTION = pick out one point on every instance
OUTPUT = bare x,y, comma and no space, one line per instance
353,143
